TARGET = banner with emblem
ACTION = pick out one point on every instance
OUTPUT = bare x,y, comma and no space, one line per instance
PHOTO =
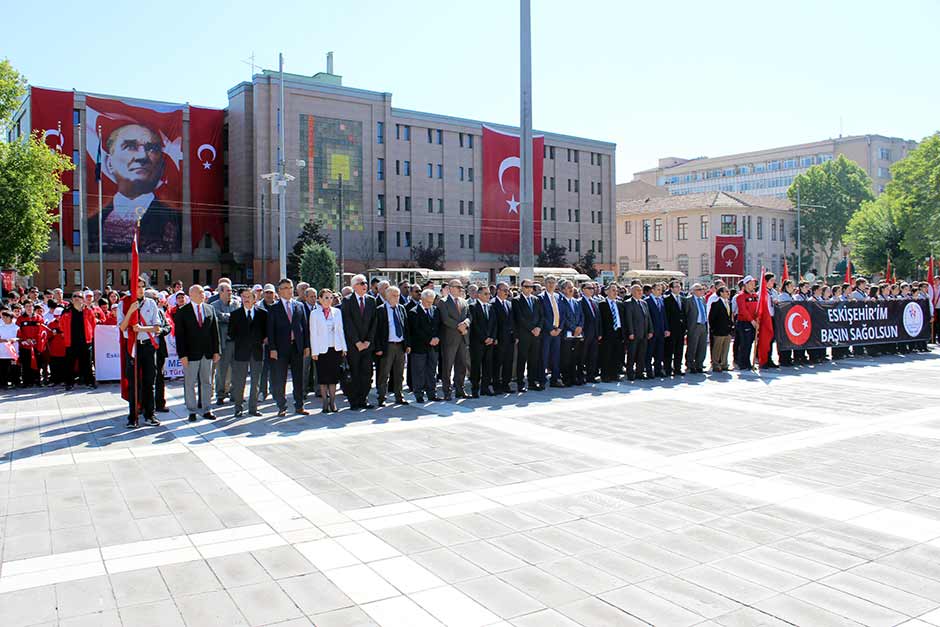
141,169
729,255
206,175
499,225
813,324
50,112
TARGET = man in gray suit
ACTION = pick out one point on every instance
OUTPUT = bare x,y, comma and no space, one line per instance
224,306
697,325
455,351
639,329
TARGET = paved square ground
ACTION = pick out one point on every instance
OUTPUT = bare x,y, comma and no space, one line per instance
806,497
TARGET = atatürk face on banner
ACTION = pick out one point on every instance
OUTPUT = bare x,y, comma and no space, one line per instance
135,155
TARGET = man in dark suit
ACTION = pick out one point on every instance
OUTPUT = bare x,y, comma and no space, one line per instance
198,346
455,318
391,346
572,335
697,324
527,317
675,325
505,349
721,324
655,347
247,329
483,333
611,335
590,312
553,324
639,330
288,335
359,325
424,330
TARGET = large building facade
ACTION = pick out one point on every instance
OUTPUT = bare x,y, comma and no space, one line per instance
770,172
682,229
408,178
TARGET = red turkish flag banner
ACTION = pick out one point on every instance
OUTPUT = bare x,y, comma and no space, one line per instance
729,255
50,112
206,174
141,173
499,228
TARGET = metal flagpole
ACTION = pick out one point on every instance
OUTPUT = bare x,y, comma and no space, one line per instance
282,180
81,205
61,236
799,248
100,219
526,224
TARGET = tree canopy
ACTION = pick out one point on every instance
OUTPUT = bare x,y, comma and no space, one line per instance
875,234
427,257
914,192
552,256
318,266
310,233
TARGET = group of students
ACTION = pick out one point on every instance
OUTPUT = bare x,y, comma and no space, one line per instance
433,340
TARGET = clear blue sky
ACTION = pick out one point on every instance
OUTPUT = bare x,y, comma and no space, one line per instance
683,78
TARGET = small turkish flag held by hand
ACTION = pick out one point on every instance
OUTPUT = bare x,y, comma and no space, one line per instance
499,226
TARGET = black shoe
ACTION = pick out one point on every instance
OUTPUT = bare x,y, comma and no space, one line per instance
435,398
152,421
401,401
68,388
461,394
220,401
368,406
474,395
255,413
380,402
163,410
521,389
281,413
192,417
419,398
239,413
209,415
131,424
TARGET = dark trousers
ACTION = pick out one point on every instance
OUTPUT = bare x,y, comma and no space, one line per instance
636,356
423,367
551,356
390,370
672,352
78,358
481,367
528,360
8,373
588,364
360,376
146,375
240,371
159,383
293,360
744,334
502,365
611,356
57,369
30,375
655,351
572,352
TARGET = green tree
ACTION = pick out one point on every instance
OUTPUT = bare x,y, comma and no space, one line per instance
318,266
552,256
427,257
310,233
875,233
29,185
585,265
914,191
839,187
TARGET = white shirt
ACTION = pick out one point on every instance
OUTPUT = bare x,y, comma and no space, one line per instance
392,335
126,208
148,317
8,332
250,312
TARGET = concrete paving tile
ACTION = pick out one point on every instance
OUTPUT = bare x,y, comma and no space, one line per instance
158,614
263,603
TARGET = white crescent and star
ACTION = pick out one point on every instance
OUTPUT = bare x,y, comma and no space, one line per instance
505,164
792,319
54,132
207,165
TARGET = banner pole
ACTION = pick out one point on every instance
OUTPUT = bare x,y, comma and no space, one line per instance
61,236
81,204
101,223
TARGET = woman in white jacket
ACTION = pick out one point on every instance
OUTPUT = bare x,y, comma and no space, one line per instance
327,347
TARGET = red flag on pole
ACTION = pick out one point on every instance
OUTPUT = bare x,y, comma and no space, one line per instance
888,270
786,271
729,255
765,329
848,269
930,270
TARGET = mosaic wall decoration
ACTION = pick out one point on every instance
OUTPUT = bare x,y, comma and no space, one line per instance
332,149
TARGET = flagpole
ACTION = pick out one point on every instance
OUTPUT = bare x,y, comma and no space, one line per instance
526,215
101,219
81,205
61,280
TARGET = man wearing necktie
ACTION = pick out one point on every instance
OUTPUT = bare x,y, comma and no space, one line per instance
360,321
391,346
288,333
655,347
675,325
198,346
572,334
483,343
247,330
611,335
590,313
639,330
697,324
527,317
455,354
424,328
505,350
552,325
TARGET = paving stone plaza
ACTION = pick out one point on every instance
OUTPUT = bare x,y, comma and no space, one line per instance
808,496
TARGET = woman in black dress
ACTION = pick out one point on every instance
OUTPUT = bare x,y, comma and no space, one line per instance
328,347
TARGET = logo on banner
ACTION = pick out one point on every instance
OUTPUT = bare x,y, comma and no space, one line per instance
206,163
799,325
54,132
913,319
505,164
730,259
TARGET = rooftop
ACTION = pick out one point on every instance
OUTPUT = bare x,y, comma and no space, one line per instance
704,200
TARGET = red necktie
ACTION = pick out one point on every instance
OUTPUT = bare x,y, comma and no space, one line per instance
362,306
199,314
290,312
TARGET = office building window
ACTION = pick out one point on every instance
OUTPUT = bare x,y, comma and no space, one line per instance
569,215
440,240
577,187
381,241
569,154
627,227
380,169
551,153
470,174
430,240
407,239
430,135
407,168
470,207
646,230
569,185
729,224
576,156
461,240
682,228
397,203
577,245
551,183
440,170
471,241
195,277
570,246
380,132
750,234
469,141
551,213
577,215
544,182
109,277
440,136
397,167
461,207
884,154
407,203
440,205
783,236
706,264
380,204
657,229
703,228
459,172
600,246
760,227
398,131
598,188
460,139
545,213
430,205
773,229
430,170
397,239
406,135
682,264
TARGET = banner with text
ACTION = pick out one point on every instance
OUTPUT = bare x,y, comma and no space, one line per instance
108,355
812,324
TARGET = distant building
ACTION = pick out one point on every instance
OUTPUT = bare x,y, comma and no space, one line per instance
682,230
769,172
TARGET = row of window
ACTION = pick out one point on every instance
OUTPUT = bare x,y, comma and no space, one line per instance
705,264
403,203
153,274
750,168
729,226
777,183
574,185
403,240
574,215
574,245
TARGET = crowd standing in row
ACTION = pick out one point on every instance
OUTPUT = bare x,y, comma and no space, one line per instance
383,336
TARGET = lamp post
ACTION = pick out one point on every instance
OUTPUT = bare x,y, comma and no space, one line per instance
526,223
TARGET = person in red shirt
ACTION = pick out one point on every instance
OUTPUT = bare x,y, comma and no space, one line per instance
77,325
746,324
57,349
34,337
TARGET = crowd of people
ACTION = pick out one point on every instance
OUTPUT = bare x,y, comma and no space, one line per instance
374,336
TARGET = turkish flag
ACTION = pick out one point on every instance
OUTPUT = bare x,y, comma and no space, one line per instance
765,330
729,255
499,228
206,175
50,112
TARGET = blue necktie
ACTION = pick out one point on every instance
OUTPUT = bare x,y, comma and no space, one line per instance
701,310
398,330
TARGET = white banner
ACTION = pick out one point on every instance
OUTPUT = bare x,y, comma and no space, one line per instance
107,353
172,368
